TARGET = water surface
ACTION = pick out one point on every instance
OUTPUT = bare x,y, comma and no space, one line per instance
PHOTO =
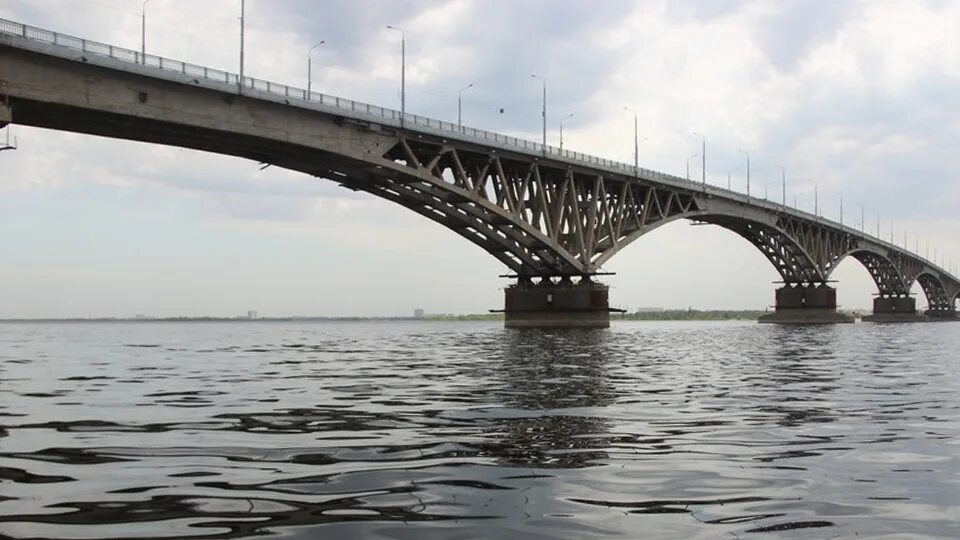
467,430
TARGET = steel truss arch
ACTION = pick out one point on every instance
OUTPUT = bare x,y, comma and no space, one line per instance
886,275
550,220
938,300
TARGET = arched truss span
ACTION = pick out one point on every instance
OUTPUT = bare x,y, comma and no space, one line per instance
884,272
541,218
937,298
791,260
537,219
544,219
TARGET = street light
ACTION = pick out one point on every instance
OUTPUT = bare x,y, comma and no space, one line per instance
766,185
561,130
403,73
243,11
816,199
636,143
460,106
544,113
703,155
783,183
688,164
729,188
143,32
310,68
744,152
841,205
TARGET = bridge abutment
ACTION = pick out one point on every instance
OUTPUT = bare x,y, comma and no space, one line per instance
895,309
806,304
557,304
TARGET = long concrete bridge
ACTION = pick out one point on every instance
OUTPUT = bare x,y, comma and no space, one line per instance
553,217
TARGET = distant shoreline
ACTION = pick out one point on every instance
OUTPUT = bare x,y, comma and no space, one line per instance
660,315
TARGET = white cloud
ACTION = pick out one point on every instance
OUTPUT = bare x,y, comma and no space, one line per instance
859,97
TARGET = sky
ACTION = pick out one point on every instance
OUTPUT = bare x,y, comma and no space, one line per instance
859,98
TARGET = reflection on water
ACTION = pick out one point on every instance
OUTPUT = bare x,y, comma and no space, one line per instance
423,430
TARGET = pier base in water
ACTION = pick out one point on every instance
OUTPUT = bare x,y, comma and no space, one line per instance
806,304
560,304
895,309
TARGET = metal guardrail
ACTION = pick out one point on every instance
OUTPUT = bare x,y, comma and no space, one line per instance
318,101
303,98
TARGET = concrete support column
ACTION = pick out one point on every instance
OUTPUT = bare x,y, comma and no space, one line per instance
941,313
806,304
895,308
560,304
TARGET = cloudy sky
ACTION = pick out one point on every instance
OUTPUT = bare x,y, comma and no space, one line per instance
859,97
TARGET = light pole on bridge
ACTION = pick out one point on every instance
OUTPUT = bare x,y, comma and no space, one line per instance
143,32
744,152
243,12
561,130
838,194
460,106
766,191
729,184
544,110
783,184
310,68
636,142
816,199
403,73
688,164
703,156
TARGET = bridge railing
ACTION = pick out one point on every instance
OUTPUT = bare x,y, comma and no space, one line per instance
159,66
303,98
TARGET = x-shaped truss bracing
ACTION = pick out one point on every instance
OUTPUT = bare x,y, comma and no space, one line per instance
546,218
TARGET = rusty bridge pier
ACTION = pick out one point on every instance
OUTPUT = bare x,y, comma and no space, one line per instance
557,302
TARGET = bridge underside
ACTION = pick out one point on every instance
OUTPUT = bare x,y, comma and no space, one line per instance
552,221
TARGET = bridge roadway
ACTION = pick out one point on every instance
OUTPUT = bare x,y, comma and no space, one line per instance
552,217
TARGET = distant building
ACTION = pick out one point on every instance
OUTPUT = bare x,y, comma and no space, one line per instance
252,314
418,313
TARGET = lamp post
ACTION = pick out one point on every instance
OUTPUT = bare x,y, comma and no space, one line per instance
863,219
243,10
766,185
703,156
403,73
783,183
837,193
143,32
310,68
744,152
636,142
561,131
460,106
816,199
688,164
544,112
729,185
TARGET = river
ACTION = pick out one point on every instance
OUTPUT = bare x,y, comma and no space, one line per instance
416,430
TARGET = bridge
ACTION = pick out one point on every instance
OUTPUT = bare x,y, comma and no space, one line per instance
552,216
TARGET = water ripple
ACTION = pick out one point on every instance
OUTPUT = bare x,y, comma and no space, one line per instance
467,430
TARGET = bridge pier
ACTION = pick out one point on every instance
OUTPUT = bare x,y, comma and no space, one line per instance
937,314
557,304
889,308
806,304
